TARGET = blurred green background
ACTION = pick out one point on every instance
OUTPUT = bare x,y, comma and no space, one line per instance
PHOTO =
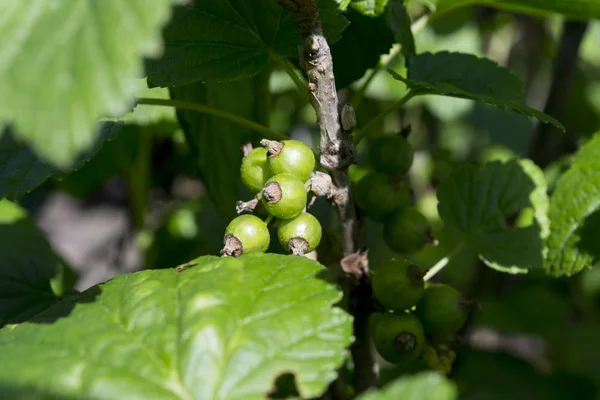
142,203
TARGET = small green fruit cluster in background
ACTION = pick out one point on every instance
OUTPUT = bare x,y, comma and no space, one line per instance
383,196
277,174
415,315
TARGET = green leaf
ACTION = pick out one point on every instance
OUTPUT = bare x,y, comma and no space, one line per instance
400,22
225,328
65,64
31,274
333,22
21,171
574,211
225,40
342,4
579,9
539,196
361,47
469,77
422,386
511,250
371,8
216,143
475,203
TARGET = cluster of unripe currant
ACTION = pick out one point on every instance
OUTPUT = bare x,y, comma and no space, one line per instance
413,316
383,196
279,174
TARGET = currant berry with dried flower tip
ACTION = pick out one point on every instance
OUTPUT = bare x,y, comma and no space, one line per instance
377,198
284,196
398,337
442,310
398,285
406,230
244,235
300,235
392,155
290,156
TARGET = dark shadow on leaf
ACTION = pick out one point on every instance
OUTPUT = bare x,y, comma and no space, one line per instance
325,275
63,307
284,387
589,236
14,392
27,269
360,47
491,207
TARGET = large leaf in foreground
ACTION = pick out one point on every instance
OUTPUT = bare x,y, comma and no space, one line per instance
225,40
466,76
223,329
580,9
475,204
422,386
66,63
31,274
575,214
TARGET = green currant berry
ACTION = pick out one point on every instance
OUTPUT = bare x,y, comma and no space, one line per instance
290,156
398,285
377,198
398,337
392,155
255,170
300,235
284,196
442,310
406,230
245,234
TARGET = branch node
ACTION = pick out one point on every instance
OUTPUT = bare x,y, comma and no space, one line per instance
321,184
356,265
273,147
348,118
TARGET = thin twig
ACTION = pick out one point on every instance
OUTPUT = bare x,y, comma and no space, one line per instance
441,264
436,268
337,153
187,105
419,23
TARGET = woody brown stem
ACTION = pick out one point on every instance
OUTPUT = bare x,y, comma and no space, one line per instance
337,152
